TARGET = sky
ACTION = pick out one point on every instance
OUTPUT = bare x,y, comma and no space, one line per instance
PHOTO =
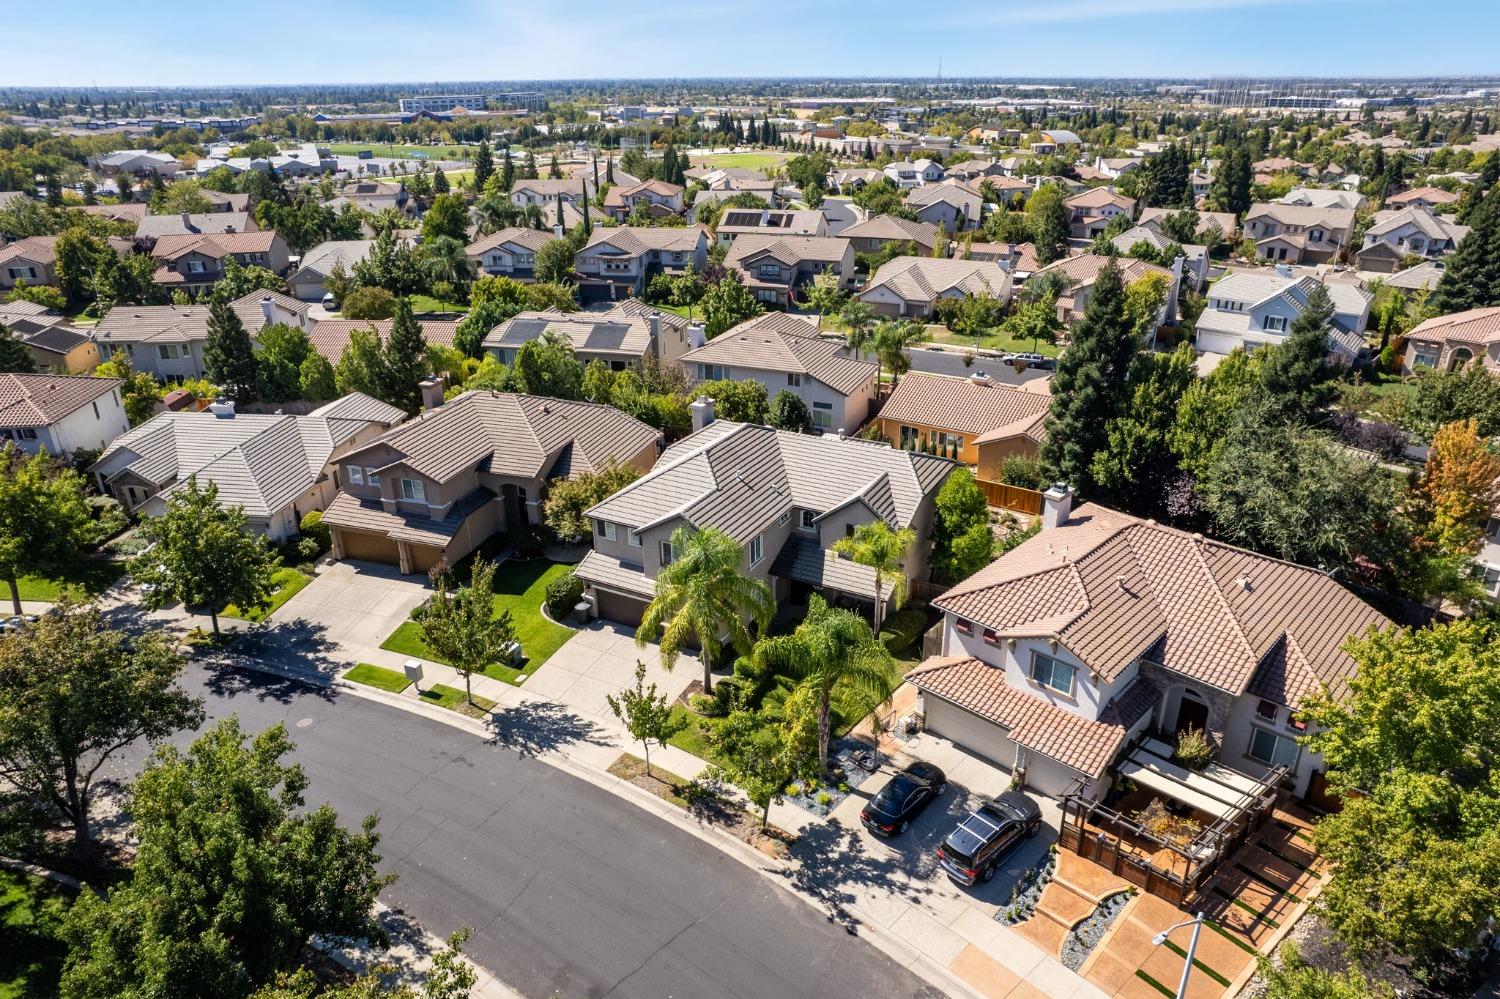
90,43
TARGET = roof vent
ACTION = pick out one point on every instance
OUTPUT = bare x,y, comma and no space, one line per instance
1243,583
1198,537
980,378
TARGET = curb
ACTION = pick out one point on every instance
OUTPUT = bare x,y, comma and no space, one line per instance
869,930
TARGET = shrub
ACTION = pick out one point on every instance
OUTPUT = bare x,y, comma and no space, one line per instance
562,594
901,629
705,704
824,799
527,542
369,303
1021,470
308,549
109,519
1193,749
730,694
312,526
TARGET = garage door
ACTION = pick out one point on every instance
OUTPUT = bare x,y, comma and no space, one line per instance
424,557
620,609
369,547
1050,777
976,734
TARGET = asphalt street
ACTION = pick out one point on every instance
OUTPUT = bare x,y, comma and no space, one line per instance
570,890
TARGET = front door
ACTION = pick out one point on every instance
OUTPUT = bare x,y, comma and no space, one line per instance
1191,713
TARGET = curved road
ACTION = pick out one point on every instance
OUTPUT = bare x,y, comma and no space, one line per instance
570,890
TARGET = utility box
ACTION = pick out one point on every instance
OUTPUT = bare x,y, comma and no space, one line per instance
413,670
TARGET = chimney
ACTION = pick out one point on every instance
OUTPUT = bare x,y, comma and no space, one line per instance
980,378
1057,505
654,321
697,335
432,392
222,407
557,231
702,409
187,221
266,309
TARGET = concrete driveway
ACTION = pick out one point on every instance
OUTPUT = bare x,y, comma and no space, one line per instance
353,606
600,659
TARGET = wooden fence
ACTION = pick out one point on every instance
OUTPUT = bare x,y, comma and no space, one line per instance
1008,497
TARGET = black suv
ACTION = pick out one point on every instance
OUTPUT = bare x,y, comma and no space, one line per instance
974,850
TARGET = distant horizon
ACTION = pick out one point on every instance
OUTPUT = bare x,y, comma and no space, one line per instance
378,43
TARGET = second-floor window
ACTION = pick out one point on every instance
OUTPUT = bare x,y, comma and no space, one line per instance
808,521
1271,749
666,553
356,475
769,271
413,489
794,379
711,372
757,550
1274,324
607,530
168,351
1052,673
372,477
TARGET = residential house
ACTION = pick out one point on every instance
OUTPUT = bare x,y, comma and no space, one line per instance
546,192
1083,270
1450,342
660,199
138,162
195,224
1115,167
1426,275
785,497
879,231
433,489
33,260
1249,309
913,287
1396,234
227,201
1091,211
791,222
1208,222
374,197
1057,140
626,335
131,211
1104,630
329,337
976,419
975,170
1299,233
1017,258
1195,256
164,340
776,267
907,174
785,353
1318,197
620,262
1431,198
306,282
511,252
54,344
278,467
260,309
62,413
953,204
1277,164
195,263
854,179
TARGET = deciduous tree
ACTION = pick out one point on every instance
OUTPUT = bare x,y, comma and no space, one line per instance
44,519
646,715
462,628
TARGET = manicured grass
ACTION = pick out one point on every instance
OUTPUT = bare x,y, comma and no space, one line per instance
992,341
695,738
378,676
86,578
31,955
454,700
451,152
426,303
747,161
288,582
520,587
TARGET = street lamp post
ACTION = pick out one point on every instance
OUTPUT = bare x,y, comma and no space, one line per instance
1187,965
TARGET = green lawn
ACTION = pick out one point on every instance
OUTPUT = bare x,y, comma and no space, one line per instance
694,738
451,152
31,955
454,700
520,587
426,303
378,676
88,577
747,161
288,582
992,341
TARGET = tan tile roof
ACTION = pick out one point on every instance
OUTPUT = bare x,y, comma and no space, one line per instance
772,343
214,245
39,400
1086,745
531,239
329,337
1431,195
1471,326
1084,268
348,510
1329,217
248,308
636,240
1222,221
1098,197
197,224
967,407
1112,588
164,323
786,249
923,279
891,227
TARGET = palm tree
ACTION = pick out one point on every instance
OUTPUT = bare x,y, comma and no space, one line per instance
703,594
830,649
891,340
445,259
881,548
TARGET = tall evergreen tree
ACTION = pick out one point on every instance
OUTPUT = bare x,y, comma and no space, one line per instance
405,360
484,164
1472,278
13,353
1089,389
507,171
583,206
228,355
529,171
1294,378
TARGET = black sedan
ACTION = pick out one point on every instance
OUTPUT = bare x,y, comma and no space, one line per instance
891,811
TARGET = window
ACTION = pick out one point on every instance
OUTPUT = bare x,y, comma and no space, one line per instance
963,626
195,267
770,295
168,351
711,372
26,433
1275,324
786,515
356,475
757,550
1271,749
1425,356
95,404
822,414
946,440
1266,710
1050,673
633,539
794,379
909,436
607,530
372,477
807,522
666,553
413,489
768,271
991,637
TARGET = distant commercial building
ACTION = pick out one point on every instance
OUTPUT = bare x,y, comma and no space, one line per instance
521,100
445,102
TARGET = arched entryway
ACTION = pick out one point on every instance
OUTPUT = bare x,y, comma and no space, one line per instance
1460,357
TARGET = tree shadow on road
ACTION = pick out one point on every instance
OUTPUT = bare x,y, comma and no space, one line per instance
536,727
831,860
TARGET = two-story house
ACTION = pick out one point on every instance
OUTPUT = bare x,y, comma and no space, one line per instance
790,222
1090,212
1431,198
1082,271
775,267
785,497
1299,233
195,224
656,196
33,261
433,489
195,263
620,262
1399,233
913,287
167,340
907,174
626,335
1322,197
878,231
1220,224
1194,255
61,413
1249,309
511,252
955,205
785,354
278,467
1450,342
976,419
1104,629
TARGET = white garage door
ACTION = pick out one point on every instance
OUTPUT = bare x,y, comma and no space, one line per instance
1050,777
976,734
